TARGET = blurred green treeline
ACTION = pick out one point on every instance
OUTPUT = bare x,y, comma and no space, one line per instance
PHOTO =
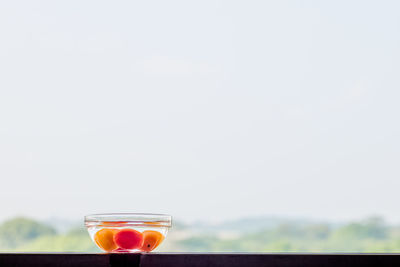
247,235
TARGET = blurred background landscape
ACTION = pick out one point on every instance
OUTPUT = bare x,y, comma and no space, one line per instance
216,112
258,234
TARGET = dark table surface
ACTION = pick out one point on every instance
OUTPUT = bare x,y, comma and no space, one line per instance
197,260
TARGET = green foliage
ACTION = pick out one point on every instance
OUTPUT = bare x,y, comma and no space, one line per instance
78,231
198,243
21,230
371,235
60,243
372,228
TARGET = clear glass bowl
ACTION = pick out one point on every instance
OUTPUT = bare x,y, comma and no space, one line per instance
127,232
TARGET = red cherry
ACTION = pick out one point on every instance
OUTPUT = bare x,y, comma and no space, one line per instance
128,239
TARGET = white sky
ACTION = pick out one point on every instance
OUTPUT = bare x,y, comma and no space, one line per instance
202,109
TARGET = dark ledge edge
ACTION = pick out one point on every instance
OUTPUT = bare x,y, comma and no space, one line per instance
198,260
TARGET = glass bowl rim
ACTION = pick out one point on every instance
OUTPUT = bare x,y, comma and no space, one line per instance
160,220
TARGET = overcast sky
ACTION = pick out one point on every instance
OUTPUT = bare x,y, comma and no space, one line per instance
201,109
